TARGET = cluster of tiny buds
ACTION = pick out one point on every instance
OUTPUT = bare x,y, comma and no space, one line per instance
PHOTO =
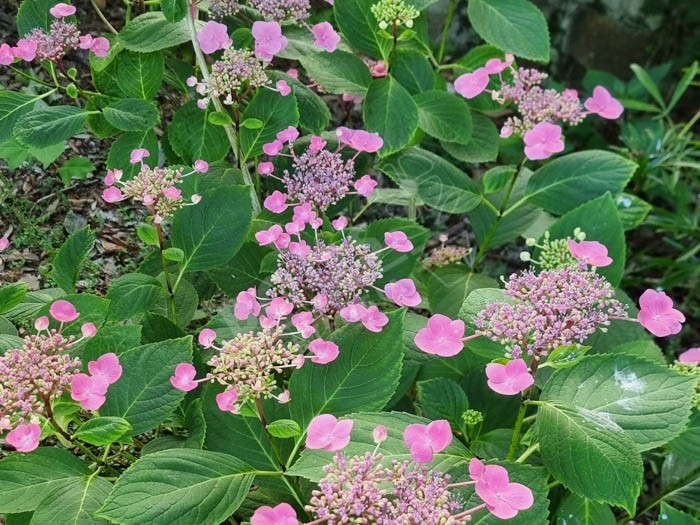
319,177
554,253
61,38
33,376
394,13
157,188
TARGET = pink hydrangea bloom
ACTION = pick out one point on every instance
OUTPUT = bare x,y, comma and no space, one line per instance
207,337
183,378
302,322
425,440
172,193
201,166
273,148
88,330
100,47
25,437
403,293
288,135
657,314
226,401
362,140
276,202
282,514
273,235
503,499
62,10
496,65
324,351
266,168
365,185
398,241
246,305
138,155
374,319
63,311
106,369
325,37
472,84
112,195
379,434
543,141
279,308
25,49
353,313
268,40
442,336
590,252
88,391
4,243
690,356
6,55
509,379
603,104
213,36
283,87
85,41
325,432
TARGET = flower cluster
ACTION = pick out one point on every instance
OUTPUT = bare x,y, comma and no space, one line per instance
365,489
33,376
319,177
157,188
248,363
394,12
540,110
445,254
62,37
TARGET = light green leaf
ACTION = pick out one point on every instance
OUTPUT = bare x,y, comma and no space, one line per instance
608,468
211,232
49,125
437,182
284,428
483,146
338,72
275,112
11,294
148,234
152,32
516,26
12,106
70,259
139,75
390,111
102,431
193,137
27,478
143,395
133,294
131,114
651,403
444,116
73,502
360,27
670,516
75,168
687,444
202,487
363,377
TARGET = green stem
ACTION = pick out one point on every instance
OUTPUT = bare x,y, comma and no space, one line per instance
531,449
31,78
412,208
394,45
553,484
446,30
359,213
515,440
204,68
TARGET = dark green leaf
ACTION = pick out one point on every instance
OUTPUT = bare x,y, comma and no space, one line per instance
12,106
70,259
174,10
360,27
102,431
153,32
73,502
338,72
444,116
48,126
390,111
275,112
443,399
133,294
483,146
139,75
193,137
11,295
121,149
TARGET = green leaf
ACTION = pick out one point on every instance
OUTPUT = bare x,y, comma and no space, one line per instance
444,116
211,232
648,83
11,295
479,299
70,259
495,179
133,294
49,125
599,219
148,234
687,444
565,356
174,10
390,111
102,431
632,210
683,84
143,395
48,154
680,482
12,106
284,428
121,149
575,510
14,154
73,502
186,301
437,182
314,115
35,14
360,27
670,516
443,399
516,26
132,114
310,463
140,75
275,112
116,338
363,377
152,32
75,168
338,72
651,403
449,286
608,467
193,137
202,487
483,146
174,254
571,180
27,478
413,71
221,118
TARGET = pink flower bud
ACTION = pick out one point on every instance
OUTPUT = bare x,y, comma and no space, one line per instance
88,330
41,324
379,434
201,166
207,337
63,311
62,10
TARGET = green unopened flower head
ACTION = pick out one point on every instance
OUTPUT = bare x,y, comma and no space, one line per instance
472,417
388,12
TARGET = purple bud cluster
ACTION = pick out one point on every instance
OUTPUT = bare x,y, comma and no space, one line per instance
361,490
536,104
224,7
281,10
554,308
340,272
247,364
31,376
62,37
319,177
